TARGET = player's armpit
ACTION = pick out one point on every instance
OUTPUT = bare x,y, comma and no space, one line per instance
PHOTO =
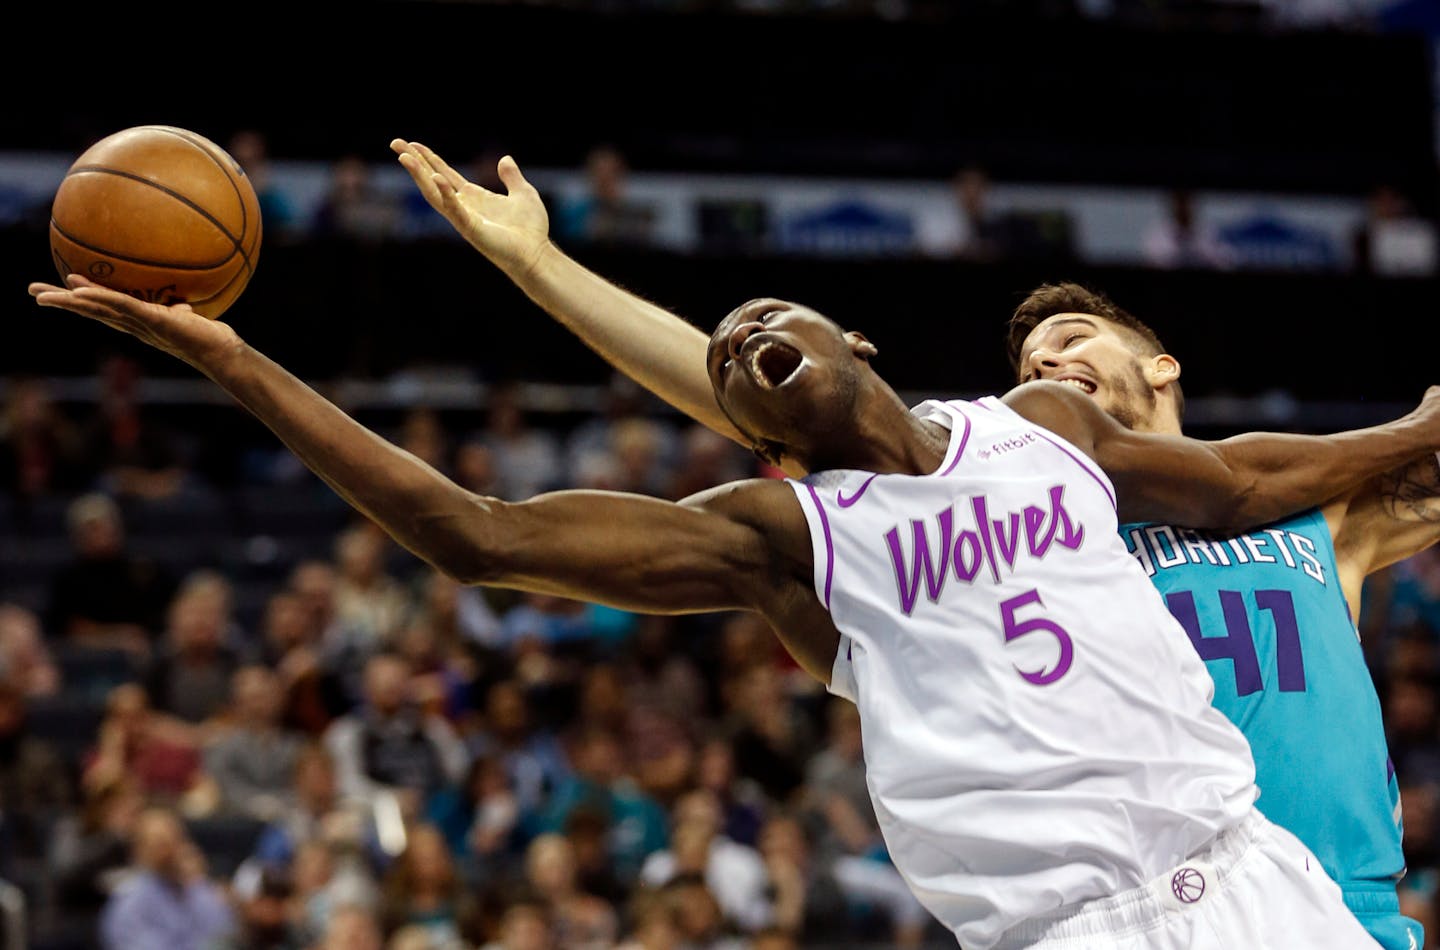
1412,493
1389,519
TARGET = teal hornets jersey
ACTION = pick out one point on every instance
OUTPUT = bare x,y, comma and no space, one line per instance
1266,613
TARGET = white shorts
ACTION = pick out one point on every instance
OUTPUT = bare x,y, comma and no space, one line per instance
1256,886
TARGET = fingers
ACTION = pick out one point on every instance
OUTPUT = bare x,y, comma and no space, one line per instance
440,167
511,176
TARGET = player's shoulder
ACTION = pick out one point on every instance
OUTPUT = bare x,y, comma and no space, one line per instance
1058,407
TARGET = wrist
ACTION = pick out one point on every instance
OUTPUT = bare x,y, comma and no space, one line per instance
531,267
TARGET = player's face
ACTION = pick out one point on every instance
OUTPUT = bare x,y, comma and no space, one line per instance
1093,355
777,367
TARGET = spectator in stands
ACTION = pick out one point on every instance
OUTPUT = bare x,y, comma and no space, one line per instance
600,782
370,602
734,873
698,916
327,876
252,756
479,819
279,215
355,207
476,468
525,924
623,401
466,623
168,901
531,756
36,783
106,595
189,675
266,912
582,921
25,659
317,581
423,434
159,752
387,743
528,459
808,901
423,887
1394,239
564,626
771,735
312,693
1181,240
41,450
353,926
133,453
307,810
706,459
90,852
743,803
606,213
588,833
651,923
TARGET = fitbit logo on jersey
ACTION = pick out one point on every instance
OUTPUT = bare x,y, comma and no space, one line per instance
990,543
1006,445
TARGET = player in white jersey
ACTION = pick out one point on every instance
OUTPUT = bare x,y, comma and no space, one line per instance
1024,686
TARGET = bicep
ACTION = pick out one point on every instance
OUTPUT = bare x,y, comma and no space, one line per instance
631,552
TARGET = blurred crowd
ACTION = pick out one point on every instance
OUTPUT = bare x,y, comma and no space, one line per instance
230,734
303,737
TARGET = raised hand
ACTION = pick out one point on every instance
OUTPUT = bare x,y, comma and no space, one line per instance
175,329
512,229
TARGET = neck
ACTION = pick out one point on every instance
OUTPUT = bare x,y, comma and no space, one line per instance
886,437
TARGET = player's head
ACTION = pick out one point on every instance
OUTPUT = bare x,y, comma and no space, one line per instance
787,377
1068,332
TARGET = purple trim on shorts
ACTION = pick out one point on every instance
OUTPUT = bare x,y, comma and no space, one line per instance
1082,463
829,544
964,440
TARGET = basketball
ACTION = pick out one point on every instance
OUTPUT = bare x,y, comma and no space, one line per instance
161,213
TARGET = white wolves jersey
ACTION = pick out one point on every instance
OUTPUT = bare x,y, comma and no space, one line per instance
1038,731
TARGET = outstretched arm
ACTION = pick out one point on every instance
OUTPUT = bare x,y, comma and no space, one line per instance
743,546
1234,483
658,349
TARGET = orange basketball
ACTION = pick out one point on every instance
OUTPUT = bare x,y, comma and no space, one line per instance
160,213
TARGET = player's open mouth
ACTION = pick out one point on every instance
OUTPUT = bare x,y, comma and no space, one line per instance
772,363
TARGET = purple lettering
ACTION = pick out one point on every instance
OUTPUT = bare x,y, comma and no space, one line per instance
934,579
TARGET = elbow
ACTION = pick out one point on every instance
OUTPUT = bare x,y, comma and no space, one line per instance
1244,506
462,543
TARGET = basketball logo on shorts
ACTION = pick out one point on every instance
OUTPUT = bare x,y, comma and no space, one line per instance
1188,885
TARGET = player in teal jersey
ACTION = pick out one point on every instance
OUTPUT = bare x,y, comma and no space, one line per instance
1280,640
1273,612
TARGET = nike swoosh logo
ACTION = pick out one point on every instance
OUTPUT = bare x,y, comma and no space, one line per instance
847,502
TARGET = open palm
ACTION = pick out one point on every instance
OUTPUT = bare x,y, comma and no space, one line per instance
510,229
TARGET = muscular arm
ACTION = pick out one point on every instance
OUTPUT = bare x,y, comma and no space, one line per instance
658,349
1228,484
742,546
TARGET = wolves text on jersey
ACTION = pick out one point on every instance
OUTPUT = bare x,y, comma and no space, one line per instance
989,543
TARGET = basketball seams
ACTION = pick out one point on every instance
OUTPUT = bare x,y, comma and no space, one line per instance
232,171
131,248
178,196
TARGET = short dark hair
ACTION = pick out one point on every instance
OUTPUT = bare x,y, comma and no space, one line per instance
1049,299
1067,297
